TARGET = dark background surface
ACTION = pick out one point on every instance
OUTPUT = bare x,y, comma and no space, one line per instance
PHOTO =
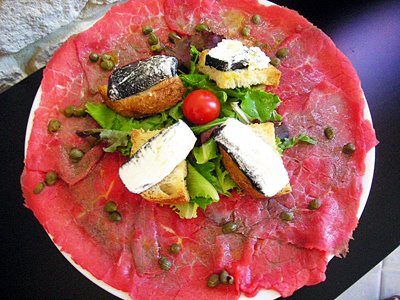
366,31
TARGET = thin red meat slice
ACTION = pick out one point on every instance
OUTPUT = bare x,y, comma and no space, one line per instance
282,267
119,33
63,85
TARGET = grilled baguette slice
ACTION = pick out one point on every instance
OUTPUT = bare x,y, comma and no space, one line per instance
267,132
239,78
152,101
172,189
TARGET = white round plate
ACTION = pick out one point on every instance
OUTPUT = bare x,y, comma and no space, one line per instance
262,294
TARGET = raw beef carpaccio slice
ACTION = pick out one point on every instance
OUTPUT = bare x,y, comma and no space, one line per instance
319,87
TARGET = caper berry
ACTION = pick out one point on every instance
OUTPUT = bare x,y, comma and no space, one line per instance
246,31
75,155
107,65
314,204
38,188
153,39
349,149
110,207
256,19
53,125
174,248
69,111
282,53
105,57
229,227
202,27
164,263
79,112
93,57
213,281
51,178
225,278
275,61
328,132
156,48
147,30
115,216
173,36
286,216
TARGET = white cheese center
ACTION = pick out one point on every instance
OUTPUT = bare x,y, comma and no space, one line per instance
157,158
233,51
258,160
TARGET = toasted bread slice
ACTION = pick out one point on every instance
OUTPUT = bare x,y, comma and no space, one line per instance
239,78
172,189
267,132
149,102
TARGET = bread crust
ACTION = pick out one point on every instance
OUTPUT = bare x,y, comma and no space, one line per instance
149,102
172,189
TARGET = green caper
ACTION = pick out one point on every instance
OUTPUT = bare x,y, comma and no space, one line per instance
38,188
53,125
173,36
246,31
51,178
213,281
202,27
275,61
93,57
349,149
115,216
110,207
229,227
314,204
174,248
75,155
225,278
69,111
105,57
147,30
79,112
164,263
156,48
286,216
256,19
282,53
329,134
153,39
107,65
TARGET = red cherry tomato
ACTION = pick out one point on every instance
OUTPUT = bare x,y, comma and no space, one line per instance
201,107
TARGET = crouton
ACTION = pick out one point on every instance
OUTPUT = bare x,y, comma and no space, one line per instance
172,189
152,101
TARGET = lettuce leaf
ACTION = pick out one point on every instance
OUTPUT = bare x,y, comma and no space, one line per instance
288,143
186,211
259,105
201,128
205,152
200,190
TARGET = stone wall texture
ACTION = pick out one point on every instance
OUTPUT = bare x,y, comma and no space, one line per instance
32,30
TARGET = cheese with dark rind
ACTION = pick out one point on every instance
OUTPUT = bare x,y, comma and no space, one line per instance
152,101
140,76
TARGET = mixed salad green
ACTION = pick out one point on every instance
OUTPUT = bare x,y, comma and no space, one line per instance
207,177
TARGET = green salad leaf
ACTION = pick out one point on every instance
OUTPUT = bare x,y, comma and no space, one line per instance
259,105
116,139
287,143
205,152
201,128
201,191
186,210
